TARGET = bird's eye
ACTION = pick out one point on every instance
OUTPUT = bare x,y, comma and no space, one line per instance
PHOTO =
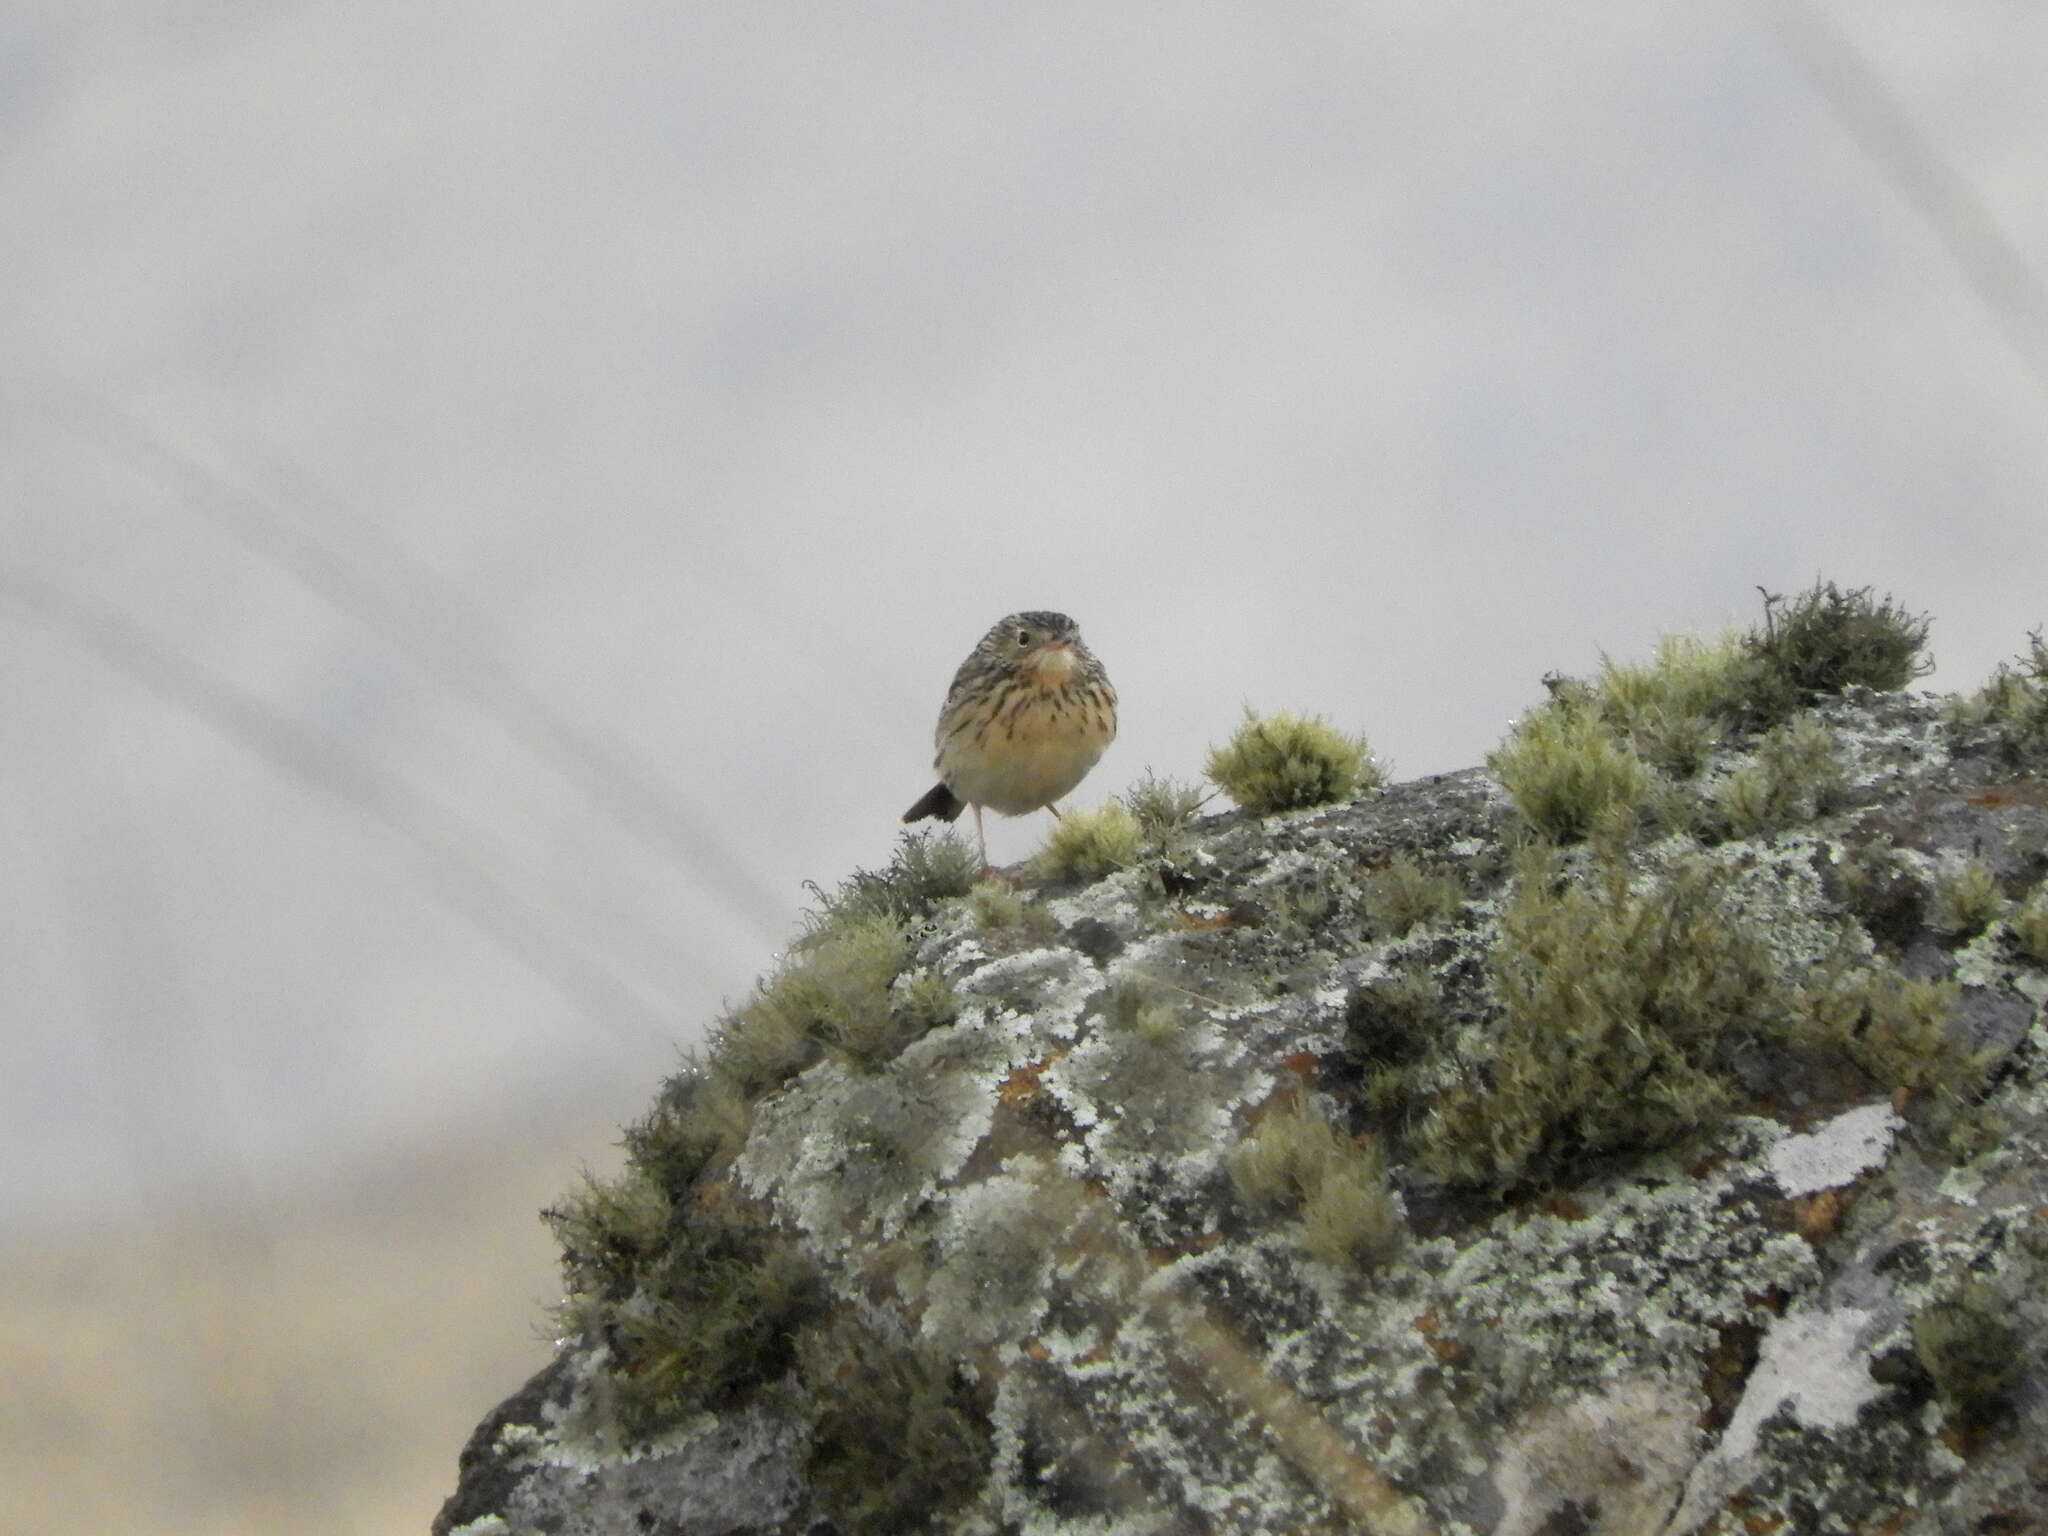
1023,637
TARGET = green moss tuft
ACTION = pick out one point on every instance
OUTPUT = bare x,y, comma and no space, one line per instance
1389,1027
2014,703
924,1001
1966,900
897,1441
834,994
1568,774
609,1231
1614,1001
1826,640
697,1118
927,868
1286,762
1349,1216
1406,895
998,908
2030,927
1296,1160
1894,1029
1794,777
1138,1006
1163,806
697,1301
1088,844
1884,890
1676,710
1971,1351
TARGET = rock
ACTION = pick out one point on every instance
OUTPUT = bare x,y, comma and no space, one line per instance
1219,1195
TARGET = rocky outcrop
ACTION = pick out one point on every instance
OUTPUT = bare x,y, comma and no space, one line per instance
1378,1167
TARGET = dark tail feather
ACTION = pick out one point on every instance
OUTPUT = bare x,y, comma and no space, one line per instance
938,801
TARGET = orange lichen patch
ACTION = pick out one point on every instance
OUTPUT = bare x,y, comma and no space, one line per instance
1025,1082
1563,1207
1202,922
1097,1355
1302,1064
1448,1350
2018,792
1034,1350
1816,1216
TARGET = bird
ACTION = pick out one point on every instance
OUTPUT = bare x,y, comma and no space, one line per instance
1029,713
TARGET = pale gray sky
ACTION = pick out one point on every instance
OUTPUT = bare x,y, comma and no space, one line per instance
382,386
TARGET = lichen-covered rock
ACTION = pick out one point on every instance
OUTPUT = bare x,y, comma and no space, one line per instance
1690,1179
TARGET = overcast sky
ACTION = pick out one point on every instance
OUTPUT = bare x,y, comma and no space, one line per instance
493,494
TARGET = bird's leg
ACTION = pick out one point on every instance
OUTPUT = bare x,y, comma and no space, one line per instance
981,841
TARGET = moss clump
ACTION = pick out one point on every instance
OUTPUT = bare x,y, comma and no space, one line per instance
1614,1002
1884,890
1088,844
1794,777
897,1441
696,1119
1163,807
1827,639
697,1300
1286,762
1568,774
1894,1029
1406,895
927,868
833,994
1137,1005
1296,1160
1971,1351
1677,709
1389,1026
997,908
1966,900
2014,703
2030,927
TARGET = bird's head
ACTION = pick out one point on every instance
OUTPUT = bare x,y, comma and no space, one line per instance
1044,645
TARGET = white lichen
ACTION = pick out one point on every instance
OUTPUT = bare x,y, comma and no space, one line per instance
1837,1153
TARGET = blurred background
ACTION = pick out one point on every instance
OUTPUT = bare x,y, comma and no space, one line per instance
493,495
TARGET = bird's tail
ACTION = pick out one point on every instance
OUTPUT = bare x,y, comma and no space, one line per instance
938,801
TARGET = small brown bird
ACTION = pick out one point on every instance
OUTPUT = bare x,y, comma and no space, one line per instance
1029,712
